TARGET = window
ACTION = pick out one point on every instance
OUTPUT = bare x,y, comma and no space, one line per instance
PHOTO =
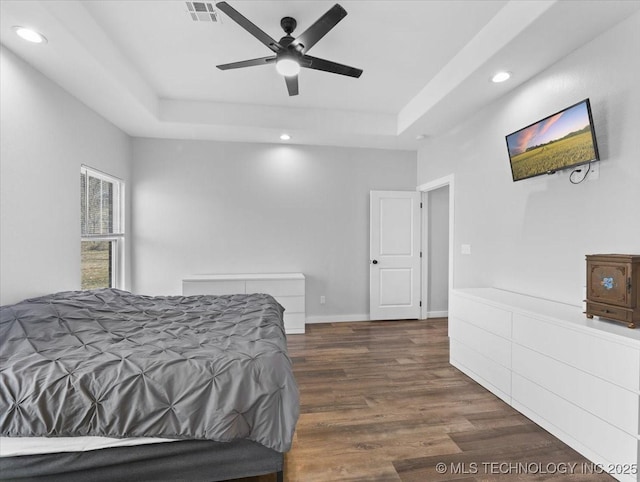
102,230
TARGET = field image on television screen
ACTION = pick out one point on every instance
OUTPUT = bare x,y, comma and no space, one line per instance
559,141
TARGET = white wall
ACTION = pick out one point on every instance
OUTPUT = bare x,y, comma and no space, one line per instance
531,236
212,207
46,136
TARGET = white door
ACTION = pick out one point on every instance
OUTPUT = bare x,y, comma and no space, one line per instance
394,264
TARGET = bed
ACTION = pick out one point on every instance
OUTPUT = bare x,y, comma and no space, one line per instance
108,385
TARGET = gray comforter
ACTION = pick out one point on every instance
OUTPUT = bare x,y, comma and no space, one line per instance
110,363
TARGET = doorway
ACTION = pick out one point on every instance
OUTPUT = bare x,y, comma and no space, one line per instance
437,246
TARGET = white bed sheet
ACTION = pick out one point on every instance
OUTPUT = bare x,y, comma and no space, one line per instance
13,446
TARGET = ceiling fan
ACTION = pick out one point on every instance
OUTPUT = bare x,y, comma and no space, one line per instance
291,53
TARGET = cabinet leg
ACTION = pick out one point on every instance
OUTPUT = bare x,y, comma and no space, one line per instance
590,316
632,325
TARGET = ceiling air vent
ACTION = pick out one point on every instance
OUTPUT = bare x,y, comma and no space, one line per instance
202,11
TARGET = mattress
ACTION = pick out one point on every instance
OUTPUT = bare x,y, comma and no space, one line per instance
107,363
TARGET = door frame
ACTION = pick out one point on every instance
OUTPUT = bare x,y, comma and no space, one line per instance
424,189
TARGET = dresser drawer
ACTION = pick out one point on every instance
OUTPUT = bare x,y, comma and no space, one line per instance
492,346
609,311
294,323
482,315
276,288
292,304
608,401
617,363
213,287
494,377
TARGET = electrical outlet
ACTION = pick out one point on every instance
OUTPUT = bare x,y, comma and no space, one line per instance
465,249
594,172
322,300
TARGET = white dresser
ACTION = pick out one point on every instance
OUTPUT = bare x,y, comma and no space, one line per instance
287,288
575,377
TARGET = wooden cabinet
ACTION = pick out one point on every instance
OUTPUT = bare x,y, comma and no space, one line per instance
287,288
577,378
613,287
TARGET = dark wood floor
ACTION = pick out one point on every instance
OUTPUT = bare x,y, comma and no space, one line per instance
380,402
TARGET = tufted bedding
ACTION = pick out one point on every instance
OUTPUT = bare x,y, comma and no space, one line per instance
110,363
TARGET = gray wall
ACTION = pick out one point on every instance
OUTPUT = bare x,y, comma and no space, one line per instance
46,136
531,236
438,252
212,207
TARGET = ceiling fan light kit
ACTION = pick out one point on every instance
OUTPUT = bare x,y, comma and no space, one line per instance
287,66
291,53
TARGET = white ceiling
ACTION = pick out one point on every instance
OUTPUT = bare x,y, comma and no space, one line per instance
150,69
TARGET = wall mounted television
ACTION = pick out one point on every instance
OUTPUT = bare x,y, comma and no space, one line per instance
562,140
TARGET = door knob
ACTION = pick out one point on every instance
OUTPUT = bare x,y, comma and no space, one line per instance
375,261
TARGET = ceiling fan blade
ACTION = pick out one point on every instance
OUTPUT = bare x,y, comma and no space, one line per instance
247,63
249,26
292,84
326,65
320,28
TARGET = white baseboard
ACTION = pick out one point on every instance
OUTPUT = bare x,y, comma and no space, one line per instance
336,318
437,314
347,318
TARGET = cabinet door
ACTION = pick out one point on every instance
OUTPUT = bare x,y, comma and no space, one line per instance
609,282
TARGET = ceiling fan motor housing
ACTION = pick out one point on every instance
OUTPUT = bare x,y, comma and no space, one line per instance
288,24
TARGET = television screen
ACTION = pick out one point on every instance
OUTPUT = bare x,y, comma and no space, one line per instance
562,140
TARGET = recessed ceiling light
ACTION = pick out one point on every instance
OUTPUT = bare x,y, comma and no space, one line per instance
285,137
30,35
501,77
